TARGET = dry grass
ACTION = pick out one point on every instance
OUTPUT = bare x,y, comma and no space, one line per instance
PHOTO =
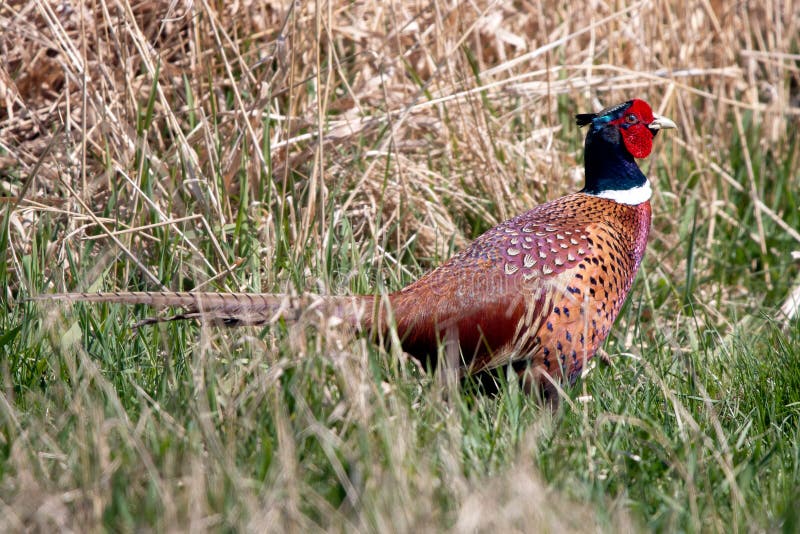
432,113
399,128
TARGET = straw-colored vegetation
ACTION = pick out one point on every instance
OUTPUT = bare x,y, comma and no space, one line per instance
346,147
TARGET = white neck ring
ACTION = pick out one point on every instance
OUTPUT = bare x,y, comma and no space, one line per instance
632,197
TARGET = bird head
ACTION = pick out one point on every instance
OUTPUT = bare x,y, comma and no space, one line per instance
632,121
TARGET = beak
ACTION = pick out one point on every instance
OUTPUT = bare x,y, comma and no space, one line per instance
661,123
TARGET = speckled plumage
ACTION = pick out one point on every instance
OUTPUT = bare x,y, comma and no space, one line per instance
539,292
542,288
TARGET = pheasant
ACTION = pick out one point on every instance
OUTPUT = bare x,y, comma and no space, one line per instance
538,292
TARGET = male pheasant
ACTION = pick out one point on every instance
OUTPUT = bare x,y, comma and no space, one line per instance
539,291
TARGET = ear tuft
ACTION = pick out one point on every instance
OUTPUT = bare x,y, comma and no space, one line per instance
583,119
608,114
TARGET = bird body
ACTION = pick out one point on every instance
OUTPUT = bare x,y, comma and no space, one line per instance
539,292
541,289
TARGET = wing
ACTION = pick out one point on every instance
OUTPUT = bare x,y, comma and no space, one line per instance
493,295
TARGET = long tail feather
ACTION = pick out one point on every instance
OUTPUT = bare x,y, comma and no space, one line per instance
235,309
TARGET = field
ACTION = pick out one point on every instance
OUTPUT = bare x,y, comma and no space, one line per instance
346,147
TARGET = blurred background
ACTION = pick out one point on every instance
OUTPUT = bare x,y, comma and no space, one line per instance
415,125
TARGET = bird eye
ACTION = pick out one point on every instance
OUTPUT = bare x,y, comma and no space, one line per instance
630,118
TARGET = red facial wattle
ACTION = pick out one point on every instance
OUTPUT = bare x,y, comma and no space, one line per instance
638,140
636,135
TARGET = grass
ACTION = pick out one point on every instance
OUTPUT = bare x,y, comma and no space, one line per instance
347,148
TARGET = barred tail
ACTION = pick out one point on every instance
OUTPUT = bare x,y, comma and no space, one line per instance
236,309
